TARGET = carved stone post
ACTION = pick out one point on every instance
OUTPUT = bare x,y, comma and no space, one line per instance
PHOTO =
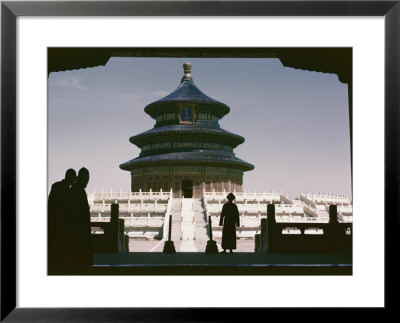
169,246
114,223
272,232
257,242
211,244
333,236
126,242
333,214
263,235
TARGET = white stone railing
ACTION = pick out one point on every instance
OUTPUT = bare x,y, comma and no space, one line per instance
344,209
254,221
243,208
127,196
324,198
346,218
256,208
311,203
250,221
149,221
311,210
213,207
134,220
130,208
99,218
263,196
286,210
252,208
285,199
242,196
289,208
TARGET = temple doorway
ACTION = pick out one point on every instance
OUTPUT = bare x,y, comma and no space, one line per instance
187,189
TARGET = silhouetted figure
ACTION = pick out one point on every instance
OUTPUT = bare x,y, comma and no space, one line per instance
59,200
80,240
230,219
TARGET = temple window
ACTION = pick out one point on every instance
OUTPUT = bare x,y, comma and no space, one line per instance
186,114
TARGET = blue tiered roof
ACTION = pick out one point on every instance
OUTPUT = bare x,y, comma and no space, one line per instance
198,157
187,92
186,129
201,133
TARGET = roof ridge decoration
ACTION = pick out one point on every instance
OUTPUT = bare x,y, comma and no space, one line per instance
187,68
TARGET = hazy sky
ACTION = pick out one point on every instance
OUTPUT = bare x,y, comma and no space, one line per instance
295,122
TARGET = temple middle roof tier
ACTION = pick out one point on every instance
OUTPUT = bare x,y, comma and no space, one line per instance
196,129
198,157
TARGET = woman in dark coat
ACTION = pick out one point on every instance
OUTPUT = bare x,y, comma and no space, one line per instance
230,220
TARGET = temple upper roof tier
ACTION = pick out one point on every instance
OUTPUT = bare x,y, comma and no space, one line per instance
202,131
198,157
187,92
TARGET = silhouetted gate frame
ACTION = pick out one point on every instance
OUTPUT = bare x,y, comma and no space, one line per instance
11,10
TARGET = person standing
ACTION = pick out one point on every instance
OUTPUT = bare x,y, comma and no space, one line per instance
57,214
230,220
81,254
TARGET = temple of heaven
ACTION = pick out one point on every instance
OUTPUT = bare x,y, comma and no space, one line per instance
187,150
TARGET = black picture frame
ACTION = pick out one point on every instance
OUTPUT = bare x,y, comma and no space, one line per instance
10,10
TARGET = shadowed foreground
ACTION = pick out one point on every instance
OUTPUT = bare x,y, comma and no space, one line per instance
195,263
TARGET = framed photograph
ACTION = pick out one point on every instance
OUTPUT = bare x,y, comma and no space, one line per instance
88,88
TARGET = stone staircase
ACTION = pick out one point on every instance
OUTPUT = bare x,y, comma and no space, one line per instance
187,219
176,219
201,226
194,232
200,221
189,226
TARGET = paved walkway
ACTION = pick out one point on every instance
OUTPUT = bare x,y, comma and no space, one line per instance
187,221
197,245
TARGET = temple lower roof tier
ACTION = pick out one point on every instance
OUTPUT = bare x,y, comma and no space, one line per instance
200,157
